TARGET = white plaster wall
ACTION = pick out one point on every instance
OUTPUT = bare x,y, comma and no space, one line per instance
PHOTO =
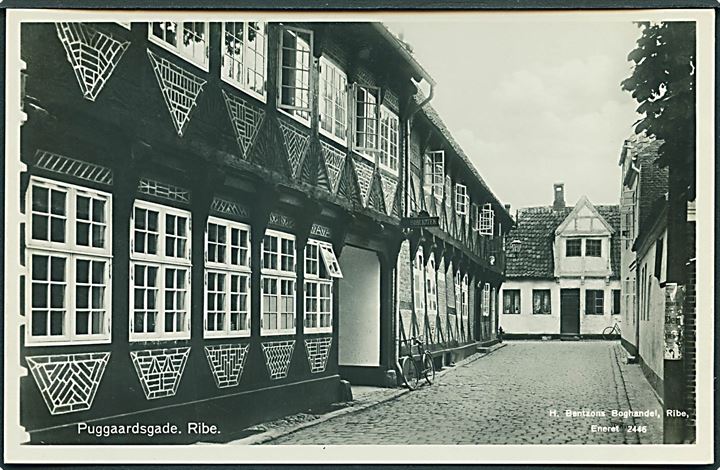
526,322
359,312
652,330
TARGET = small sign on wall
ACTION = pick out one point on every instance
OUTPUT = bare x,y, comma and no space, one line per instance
674,298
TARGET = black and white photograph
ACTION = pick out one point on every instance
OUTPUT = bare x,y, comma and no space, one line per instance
256,236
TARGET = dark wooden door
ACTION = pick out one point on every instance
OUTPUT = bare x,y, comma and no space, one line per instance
569,311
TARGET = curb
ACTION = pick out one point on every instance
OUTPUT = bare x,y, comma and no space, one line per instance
273,434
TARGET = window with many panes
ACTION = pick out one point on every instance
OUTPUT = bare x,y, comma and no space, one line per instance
294,83
367,117
462,200
68,253
434,176
278,283
227,278
419,281
465,305
244,56
541,302
594,302
389,140
431,287
593,247
487,220
160,267
511,301
486,300
573,247
321,268
188,39
333,101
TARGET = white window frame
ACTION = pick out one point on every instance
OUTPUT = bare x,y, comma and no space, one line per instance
71,252
389,140
334,80
229,269
462,200
302,114
318,280
278,275
458,291
486,300
419,281
434,176
487,220
228,60
448,195
163,263
431,287
180,50
464,305
367,151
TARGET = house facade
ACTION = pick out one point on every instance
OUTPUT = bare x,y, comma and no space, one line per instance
211,221
659,323
562,270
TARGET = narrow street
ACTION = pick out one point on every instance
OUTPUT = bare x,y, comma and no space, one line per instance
508,398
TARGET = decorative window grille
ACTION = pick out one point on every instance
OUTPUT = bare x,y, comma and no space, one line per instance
227,278
462,200
434,177
333,101
487,220
486,300
511,301
68,253
541,302
367,118
389,140
594,302
319,274
593,247
419,281
188,39
244,56
278,283
294,84
431,287
160,239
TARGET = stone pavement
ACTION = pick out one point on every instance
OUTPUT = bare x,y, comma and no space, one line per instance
517,395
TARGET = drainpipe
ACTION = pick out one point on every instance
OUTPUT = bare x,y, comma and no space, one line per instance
406,201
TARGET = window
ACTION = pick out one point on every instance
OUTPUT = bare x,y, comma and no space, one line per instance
487,220
188,39
320,269
448,194
511,301
434,177
68,256
658,258
367,115
278,283
462,200
419,281
594,302
244,50
333,101
593,247
541,302
464,304
294,82
573,247
159,272
431,287
389,140
227,278
616,302
458,292
486,300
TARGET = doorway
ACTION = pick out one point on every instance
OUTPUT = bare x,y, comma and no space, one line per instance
569,311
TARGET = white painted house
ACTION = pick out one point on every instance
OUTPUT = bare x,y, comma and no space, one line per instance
562,274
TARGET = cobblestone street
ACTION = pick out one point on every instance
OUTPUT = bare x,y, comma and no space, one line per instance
508,397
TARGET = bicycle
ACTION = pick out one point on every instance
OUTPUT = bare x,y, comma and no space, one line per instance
611,331
411,373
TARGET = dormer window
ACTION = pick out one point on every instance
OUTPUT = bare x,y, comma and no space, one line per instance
593,247
294,83
573,247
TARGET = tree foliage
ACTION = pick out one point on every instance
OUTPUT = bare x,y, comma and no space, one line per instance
663,83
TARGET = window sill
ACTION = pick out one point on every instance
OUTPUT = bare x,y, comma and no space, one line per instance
272,333
64,341
224,335
156,339
333,137
305,123
253,94
313,331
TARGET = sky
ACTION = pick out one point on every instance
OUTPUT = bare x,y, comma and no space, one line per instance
533,102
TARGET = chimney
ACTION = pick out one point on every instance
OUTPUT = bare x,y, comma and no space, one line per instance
507,208
559,202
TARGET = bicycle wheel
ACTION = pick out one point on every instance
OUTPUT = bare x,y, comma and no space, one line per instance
410,372
428,368
607,333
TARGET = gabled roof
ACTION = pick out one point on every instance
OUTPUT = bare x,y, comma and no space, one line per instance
583,202
535,230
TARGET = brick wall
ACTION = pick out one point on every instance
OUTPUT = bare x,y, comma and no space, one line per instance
689,343
404,276
442,299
